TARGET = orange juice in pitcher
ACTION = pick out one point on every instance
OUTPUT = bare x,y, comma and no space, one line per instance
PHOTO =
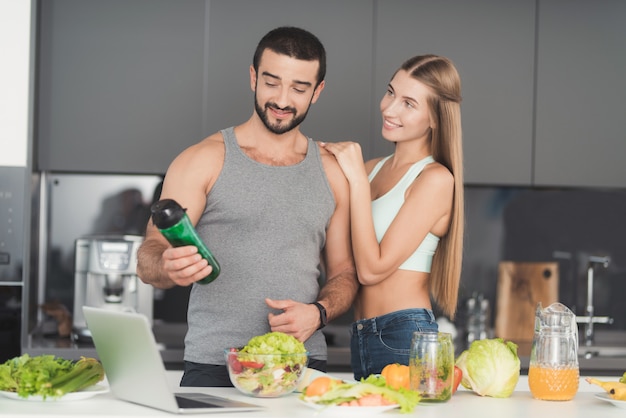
553,384
553,373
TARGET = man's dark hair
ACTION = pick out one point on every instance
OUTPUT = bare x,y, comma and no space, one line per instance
293,42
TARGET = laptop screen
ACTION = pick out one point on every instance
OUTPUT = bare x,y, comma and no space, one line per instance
134,367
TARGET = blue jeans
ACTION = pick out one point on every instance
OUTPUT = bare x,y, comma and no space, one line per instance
386,339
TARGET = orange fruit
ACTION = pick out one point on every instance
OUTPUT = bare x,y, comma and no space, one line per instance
319,386
397,376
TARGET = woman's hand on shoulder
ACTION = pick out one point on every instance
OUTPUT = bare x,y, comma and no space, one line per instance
350,158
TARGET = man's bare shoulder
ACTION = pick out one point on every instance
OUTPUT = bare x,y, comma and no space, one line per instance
210,149
329,162
212,143
197,166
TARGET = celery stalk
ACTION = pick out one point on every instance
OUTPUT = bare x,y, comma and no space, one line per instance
86,372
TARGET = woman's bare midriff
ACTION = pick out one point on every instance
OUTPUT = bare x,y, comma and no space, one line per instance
405,289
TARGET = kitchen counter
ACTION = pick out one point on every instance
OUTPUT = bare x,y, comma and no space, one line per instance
171,351
464,402
338,357
170,337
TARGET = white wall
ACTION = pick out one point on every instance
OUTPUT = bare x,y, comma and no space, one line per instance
15,74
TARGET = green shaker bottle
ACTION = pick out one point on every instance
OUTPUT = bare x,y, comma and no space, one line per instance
170,218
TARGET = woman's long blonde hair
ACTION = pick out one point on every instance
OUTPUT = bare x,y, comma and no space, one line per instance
441,76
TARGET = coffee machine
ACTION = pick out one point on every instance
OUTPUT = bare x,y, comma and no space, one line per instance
106,277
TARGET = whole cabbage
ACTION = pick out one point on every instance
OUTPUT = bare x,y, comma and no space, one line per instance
491,367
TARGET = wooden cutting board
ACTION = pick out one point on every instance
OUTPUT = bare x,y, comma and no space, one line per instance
521,286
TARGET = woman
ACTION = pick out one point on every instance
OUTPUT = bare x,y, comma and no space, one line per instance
407,214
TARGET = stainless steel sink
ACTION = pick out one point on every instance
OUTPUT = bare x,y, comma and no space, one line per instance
601,351
608,343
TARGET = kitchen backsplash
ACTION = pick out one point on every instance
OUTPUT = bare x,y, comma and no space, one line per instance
502,224
549,225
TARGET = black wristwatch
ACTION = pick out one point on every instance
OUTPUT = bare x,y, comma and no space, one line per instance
323,317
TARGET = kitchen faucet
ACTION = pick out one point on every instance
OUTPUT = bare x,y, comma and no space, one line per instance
589,319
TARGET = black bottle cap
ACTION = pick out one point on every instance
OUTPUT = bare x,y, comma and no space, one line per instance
166,213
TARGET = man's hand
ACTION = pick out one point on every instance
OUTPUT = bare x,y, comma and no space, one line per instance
298,319
184,265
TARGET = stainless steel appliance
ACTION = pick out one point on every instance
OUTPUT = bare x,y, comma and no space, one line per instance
106,277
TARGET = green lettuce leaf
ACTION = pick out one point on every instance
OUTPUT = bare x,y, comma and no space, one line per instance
491,367
48,376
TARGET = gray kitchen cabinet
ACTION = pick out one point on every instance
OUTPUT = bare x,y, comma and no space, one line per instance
120,84
581,85
126,86
344,27
492,44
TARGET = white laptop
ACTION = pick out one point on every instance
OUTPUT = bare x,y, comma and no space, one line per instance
134,368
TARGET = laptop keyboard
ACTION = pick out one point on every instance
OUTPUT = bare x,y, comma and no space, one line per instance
184,402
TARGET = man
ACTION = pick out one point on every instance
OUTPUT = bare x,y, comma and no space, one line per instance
273,207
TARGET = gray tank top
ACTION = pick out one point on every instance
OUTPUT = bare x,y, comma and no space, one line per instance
266,226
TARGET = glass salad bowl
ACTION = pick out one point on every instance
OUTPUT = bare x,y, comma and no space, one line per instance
265,375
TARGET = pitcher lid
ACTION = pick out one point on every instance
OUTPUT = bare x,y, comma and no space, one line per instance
556,316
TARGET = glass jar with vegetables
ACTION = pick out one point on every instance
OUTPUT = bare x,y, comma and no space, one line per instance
431,365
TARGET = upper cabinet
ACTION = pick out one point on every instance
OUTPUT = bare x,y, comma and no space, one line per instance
124,87
491,42
581,86
120,84
344,27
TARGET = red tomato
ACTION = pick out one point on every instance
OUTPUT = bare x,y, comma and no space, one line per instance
235,365
458,376
251,364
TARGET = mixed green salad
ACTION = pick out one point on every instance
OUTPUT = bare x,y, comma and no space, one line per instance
48,376
269,365
345,393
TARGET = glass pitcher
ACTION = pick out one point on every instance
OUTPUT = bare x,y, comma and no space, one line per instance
553,371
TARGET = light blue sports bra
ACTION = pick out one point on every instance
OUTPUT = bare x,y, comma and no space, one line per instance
386,207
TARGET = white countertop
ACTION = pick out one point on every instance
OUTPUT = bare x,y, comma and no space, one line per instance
464,403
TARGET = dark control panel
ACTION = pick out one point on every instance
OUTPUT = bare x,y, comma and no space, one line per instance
12,231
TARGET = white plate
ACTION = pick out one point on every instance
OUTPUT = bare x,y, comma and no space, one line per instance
343,411
68,397
606,397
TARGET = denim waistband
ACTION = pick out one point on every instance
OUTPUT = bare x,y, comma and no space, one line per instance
377,323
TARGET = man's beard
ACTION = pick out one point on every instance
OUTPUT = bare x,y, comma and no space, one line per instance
282,126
